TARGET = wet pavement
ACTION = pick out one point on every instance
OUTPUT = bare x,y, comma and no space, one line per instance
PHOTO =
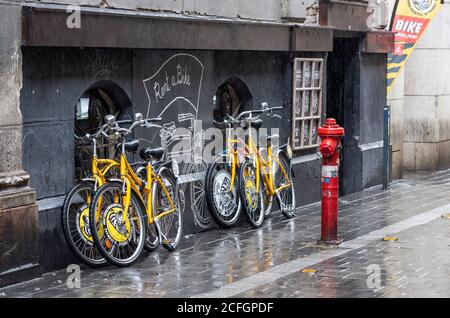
270,262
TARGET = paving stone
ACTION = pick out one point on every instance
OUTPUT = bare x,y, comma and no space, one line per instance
417,265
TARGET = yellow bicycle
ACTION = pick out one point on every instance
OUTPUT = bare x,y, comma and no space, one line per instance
263,177
75,211
252,181
124,209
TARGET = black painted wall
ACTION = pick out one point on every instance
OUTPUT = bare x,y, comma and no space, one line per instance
55,78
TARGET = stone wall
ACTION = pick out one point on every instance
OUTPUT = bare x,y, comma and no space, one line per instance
18,209
420,103
249,9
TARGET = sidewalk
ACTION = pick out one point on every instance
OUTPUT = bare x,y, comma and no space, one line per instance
268,262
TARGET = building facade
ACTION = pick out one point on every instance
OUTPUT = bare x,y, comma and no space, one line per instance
62,72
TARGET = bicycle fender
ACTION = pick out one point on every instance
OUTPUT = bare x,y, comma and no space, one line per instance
88,180
283,152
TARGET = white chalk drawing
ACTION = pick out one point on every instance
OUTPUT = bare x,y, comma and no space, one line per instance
102,64
173,93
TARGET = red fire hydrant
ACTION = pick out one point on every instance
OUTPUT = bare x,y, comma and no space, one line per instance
331,135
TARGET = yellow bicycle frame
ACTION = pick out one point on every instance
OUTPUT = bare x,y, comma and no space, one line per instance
133,182
261,165
100,167
98,172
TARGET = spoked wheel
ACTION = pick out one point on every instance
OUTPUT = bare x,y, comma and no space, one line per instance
198,197
76,228
120,238
267,199
169,224
251,195
224,203
152,240
284,186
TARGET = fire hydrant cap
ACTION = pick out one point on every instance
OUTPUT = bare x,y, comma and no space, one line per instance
331,128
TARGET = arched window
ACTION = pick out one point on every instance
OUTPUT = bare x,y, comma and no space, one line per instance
232,97
95,103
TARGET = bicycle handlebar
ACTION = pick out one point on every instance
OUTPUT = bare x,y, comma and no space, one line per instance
148,122
247,114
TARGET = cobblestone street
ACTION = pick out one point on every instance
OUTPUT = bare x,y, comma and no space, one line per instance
269,262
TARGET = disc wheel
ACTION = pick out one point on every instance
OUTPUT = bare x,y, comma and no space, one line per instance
251,195
224,203
76,227
120,238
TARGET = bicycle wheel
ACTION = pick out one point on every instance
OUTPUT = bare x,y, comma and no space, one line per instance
152,240
197,195
75,223
170,226
119,239
251,195
283,177
267,199
224,205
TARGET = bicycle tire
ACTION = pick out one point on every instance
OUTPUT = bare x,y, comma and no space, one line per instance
94,258
152,240
113,212
287,208
168,242
223,220
267,199
251,196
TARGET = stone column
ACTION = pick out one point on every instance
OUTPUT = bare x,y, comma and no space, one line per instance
19,222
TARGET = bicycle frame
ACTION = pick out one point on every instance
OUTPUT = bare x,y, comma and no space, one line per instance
133,183
261,165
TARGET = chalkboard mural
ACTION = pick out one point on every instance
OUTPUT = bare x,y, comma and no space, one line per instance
173,93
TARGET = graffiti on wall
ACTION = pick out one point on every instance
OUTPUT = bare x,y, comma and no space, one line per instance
173,93
102,64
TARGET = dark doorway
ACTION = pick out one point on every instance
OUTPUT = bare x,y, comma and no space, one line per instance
96,102
342,104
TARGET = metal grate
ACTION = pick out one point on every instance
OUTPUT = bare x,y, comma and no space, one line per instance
307,102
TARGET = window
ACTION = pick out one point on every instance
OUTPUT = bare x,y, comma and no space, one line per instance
307,102
102,98
232,97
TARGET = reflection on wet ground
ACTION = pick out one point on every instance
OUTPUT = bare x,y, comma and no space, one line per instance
415,265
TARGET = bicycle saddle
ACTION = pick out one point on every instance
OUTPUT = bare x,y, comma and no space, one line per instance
148,153
131,146
256,123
